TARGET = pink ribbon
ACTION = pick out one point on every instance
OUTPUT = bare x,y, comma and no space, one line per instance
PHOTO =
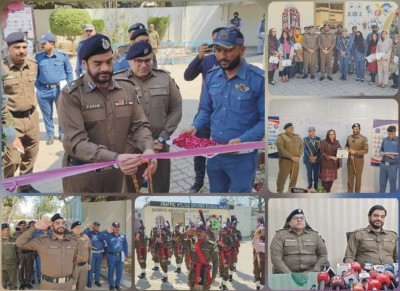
12,183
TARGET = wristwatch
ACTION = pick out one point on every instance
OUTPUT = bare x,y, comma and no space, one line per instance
160,139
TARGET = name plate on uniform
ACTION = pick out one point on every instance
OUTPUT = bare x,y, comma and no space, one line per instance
286,63
342,154
273,60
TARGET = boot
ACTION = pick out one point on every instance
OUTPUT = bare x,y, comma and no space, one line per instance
230,278
164,279
178,270
142,276
156,268
222,287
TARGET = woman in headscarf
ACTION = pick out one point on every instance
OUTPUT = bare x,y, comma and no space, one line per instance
298,38
330,163
273,47
384,46
359,55
393,66
373,66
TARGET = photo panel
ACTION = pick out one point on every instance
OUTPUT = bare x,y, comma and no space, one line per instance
187,236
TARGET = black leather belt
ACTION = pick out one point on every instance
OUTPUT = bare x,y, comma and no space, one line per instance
81,264
22,114
75,162
57,280
50,86
357,157
114,254
389,163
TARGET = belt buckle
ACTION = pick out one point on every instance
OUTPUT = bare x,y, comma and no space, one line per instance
61,280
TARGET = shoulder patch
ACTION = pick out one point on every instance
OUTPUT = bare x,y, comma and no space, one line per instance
121,73
63,52
256,70
72,85
161,70
31,60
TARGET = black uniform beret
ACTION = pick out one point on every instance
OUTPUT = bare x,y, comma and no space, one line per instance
55,217
391,128
5,225
76,223
136,26
96,45
356,125
15,37
116,224
96,223
139,49
22,222
288,125
293,213
138,32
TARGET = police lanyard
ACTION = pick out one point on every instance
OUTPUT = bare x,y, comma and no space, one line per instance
313,144
346,45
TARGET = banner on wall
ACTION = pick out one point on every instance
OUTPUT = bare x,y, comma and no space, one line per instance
272,134
379,127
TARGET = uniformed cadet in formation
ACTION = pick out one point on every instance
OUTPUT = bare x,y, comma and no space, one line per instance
58,253
226,255
83,257
186,251
373,244
297,247
93,232
21,103
117,251
310,45
100,116
154,234
388,168
25,260
290,148
88,31
259,254
54,66
177,248
9,258
162,249
326,44
141,241
312,157
357,146
233,103
162,103
237,237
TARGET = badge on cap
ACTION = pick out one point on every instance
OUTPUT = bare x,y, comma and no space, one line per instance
242,87
25,38
146,51
224,34
105,43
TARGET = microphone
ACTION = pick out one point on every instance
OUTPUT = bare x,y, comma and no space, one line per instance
396,268
373,274
368,266
323,280
392,278
356,266
331,272
350,277
389,267
379,268
337,282
342,268
358,286
363,276
371,284
384,281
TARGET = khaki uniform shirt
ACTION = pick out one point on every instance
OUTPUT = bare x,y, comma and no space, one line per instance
365,245
326,41
289,146
84,248
19,86
359,143
291,252
98,124
310,41
161,100
9,254
58,256
154,39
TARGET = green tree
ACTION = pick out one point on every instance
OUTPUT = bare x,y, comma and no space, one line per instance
10,206
44,205
69,23
160,24
99,25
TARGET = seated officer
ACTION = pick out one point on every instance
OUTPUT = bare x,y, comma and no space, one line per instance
373,244
297,247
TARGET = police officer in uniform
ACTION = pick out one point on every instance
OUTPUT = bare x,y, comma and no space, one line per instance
57,251
54,66
25,260
326,44
88,31
233,103
141,240
312,157
154,234
97,254
120,51
226,255
310,45
163,249
21,103
177,248
357,146
297,247
84,256
162,103
389,165
100,116
259,254
117,251
9,258
290,148
373,243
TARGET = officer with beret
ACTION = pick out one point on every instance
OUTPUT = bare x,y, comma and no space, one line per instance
21,103
88,31
310,45
84,256
388,168
121,50
297,247
25,260
357,145
97,254
290,148
117,251
58,253
373,243
233,103
100,117
312,157
9,258
54,66
162,103
141,241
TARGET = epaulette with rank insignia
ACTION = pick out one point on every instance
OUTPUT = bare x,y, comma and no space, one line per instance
121,72
63,52
256,70
161,70
72,85
31,60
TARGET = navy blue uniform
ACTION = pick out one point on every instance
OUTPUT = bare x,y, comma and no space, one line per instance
97,255
311,149
388,166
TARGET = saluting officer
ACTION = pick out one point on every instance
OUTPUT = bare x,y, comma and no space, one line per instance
84,256
290,148
141,240
57,251
326,44
100,116
389,165
97,254
117,251
373,244
9,258
54,66
25,260
21,103
162,103
297,247
357,145
310,45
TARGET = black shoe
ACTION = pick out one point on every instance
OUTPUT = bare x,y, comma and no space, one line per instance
341,77
98,284
29,286
305,76
178,270
33,282
394,86
197,187
271,82
156,269
258,287
27,189
312,77
330,78
117,288
142,276
234,269
111,288
22,287
222,287
38,281
230,278
321,78
344,78
164,279
50,140
89,284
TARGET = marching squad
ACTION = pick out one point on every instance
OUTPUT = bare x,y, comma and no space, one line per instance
207,250
64,258
323,158
301,55
122,107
